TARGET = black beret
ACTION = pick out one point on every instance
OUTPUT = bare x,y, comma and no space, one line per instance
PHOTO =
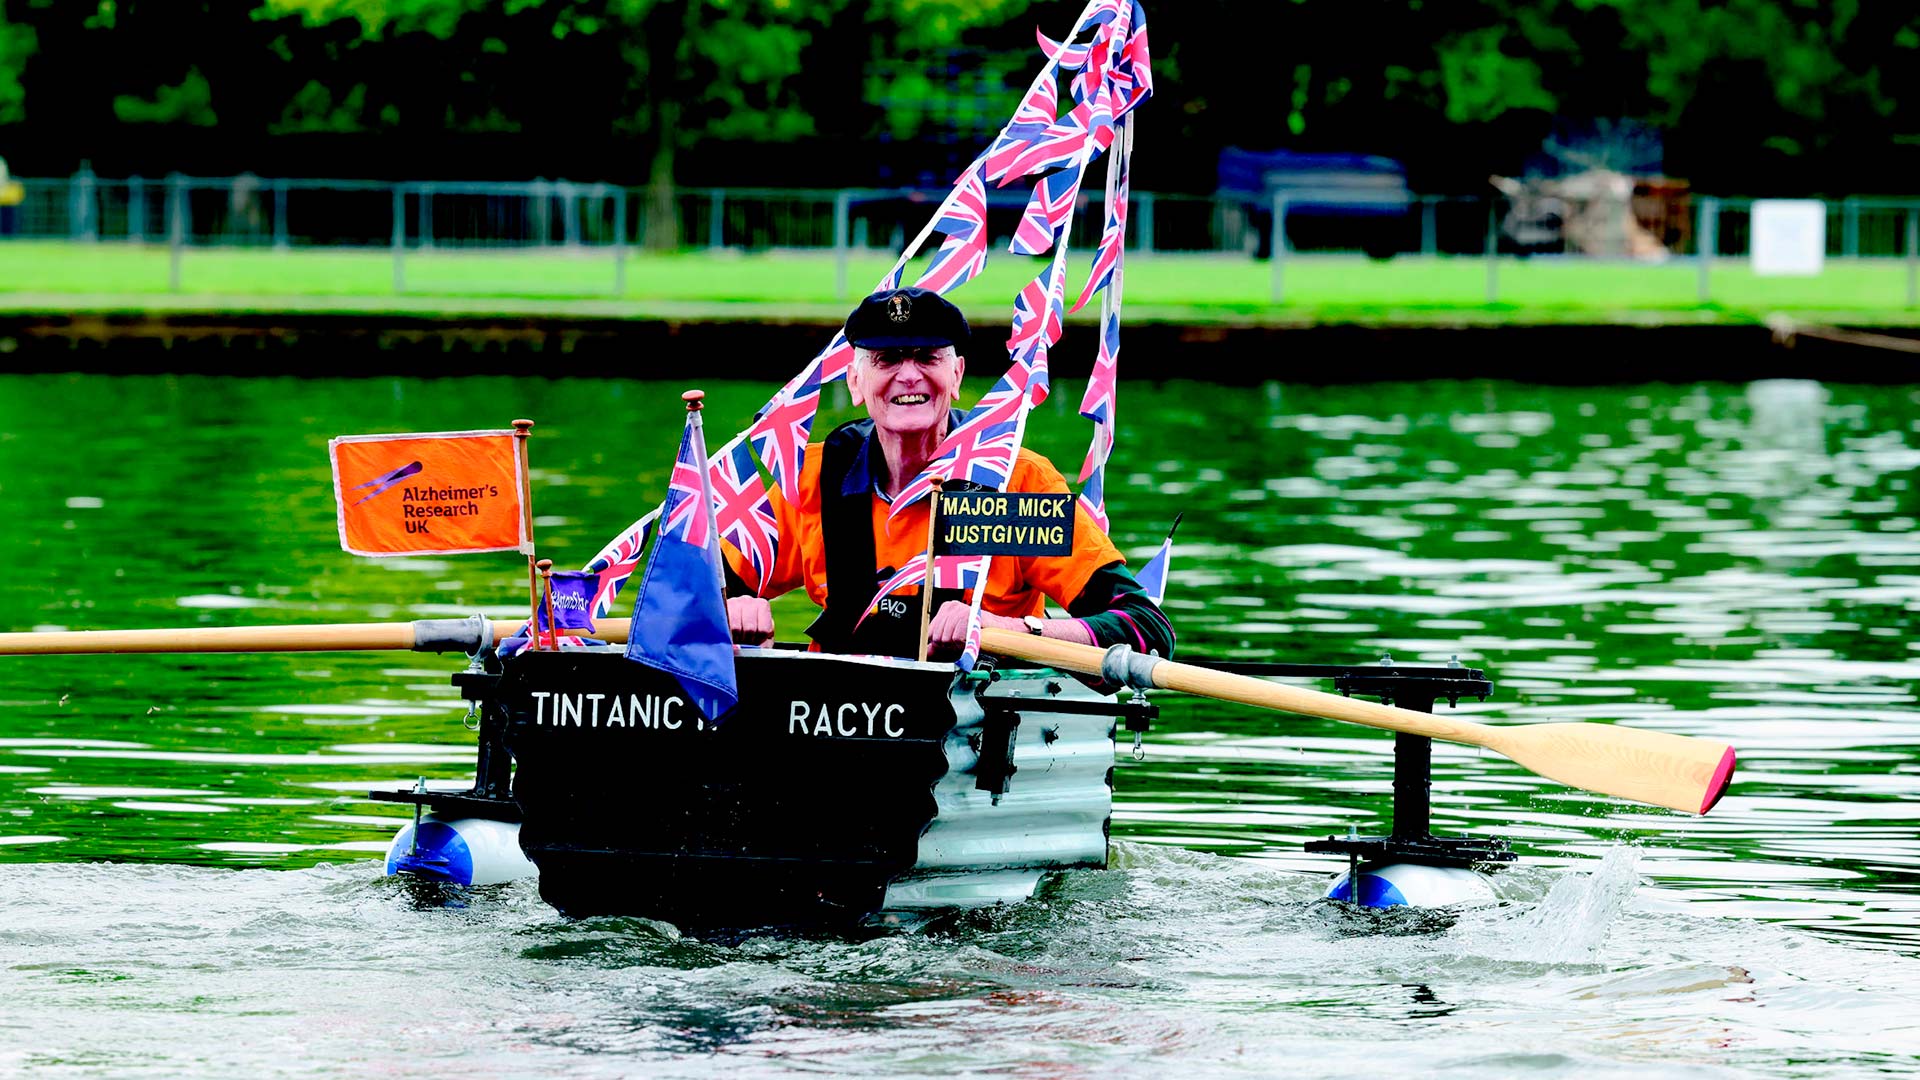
907,318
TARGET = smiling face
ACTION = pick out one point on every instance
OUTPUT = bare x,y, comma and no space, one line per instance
906,391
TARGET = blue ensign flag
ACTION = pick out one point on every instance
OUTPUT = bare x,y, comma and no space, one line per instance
680,615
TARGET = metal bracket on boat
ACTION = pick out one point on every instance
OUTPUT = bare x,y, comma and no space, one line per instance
472,635
491,796
1122,665
999,730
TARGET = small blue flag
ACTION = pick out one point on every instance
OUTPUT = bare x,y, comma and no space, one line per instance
1153,576
680,615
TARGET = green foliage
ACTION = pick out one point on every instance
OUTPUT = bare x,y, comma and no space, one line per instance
1480,80
17,42
191,102
1748,81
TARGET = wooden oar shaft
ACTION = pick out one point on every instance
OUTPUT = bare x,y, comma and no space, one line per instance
1219,684
312,638
431,635
1679,772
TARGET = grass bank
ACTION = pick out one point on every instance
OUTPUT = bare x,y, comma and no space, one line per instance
1199,289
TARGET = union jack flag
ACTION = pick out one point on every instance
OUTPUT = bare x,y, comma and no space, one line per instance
983,447
1067,56
687,509
949,572
1048,212
835,359
1102,394
780,434
1057,146
963,214
1113,238
1138,60
957,262
1036,326
1093,493
970,652
742,511
1103,14
617,562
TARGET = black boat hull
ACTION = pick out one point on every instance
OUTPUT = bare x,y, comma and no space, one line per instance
840,790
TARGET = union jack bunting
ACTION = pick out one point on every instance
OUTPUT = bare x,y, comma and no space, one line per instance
1106,12
1036,311
957,262
1096,89
1040,107
949,572
1093,493
836,358
1102,394
1067,57
1138,61
965,213
741,509
1057,146
1048,212
1113,237
780,434
617,562
970,652
687,513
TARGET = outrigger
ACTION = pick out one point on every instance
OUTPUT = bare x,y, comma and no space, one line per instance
847,790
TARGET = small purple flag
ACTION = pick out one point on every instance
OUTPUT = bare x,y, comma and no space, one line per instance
573,592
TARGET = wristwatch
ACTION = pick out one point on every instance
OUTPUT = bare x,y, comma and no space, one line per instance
1034,625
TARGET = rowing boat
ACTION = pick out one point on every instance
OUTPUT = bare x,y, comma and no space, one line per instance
845,790
839,791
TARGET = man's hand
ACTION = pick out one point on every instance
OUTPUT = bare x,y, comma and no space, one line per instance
947,633
751,620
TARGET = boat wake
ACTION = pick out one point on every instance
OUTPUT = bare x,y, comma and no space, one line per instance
1170,959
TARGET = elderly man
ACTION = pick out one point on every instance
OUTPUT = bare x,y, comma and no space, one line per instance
839,544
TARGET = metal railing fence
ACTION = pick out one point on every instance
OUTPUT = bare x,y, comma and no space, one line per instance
608,222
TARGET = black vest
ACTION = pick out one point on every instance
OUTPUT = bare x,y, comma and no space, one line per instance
846,530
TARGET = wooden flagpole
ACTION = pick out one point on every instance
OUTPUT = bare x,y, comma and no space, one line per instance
546,591
926,587
522,429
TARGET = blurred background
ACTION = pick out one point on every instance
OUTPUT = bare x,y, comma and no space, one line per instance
1548,159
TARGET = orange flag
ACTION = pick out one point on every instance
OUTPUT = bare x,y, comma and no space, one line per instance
438,493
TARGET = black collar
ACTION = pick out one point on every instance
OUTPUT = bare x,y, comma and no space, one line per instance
868,472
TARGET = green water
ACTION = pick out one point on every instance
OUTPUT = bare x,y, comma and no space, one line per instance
1737,561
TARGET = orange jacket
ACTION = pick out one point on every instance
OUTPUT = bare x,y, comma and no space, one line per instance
1016,585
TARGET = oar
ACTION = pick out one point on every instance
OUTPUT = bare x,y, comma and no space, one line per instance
1676,771
1680,772
424,635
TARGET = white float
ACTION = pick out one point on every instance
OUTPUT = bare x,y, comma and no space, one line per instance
464,851
1410,885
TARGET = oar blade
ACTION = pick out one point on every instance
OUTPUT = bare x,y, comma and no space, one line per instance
1680,772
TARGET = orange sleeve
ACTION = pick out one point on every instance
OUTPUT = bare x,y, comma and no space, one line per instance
1062,577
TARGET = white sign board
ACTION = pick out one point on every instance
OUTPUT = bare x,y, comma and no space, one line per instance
1789,236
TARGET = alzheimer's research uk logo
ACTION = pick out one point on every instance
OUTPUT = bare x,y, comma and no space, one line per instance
386,481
